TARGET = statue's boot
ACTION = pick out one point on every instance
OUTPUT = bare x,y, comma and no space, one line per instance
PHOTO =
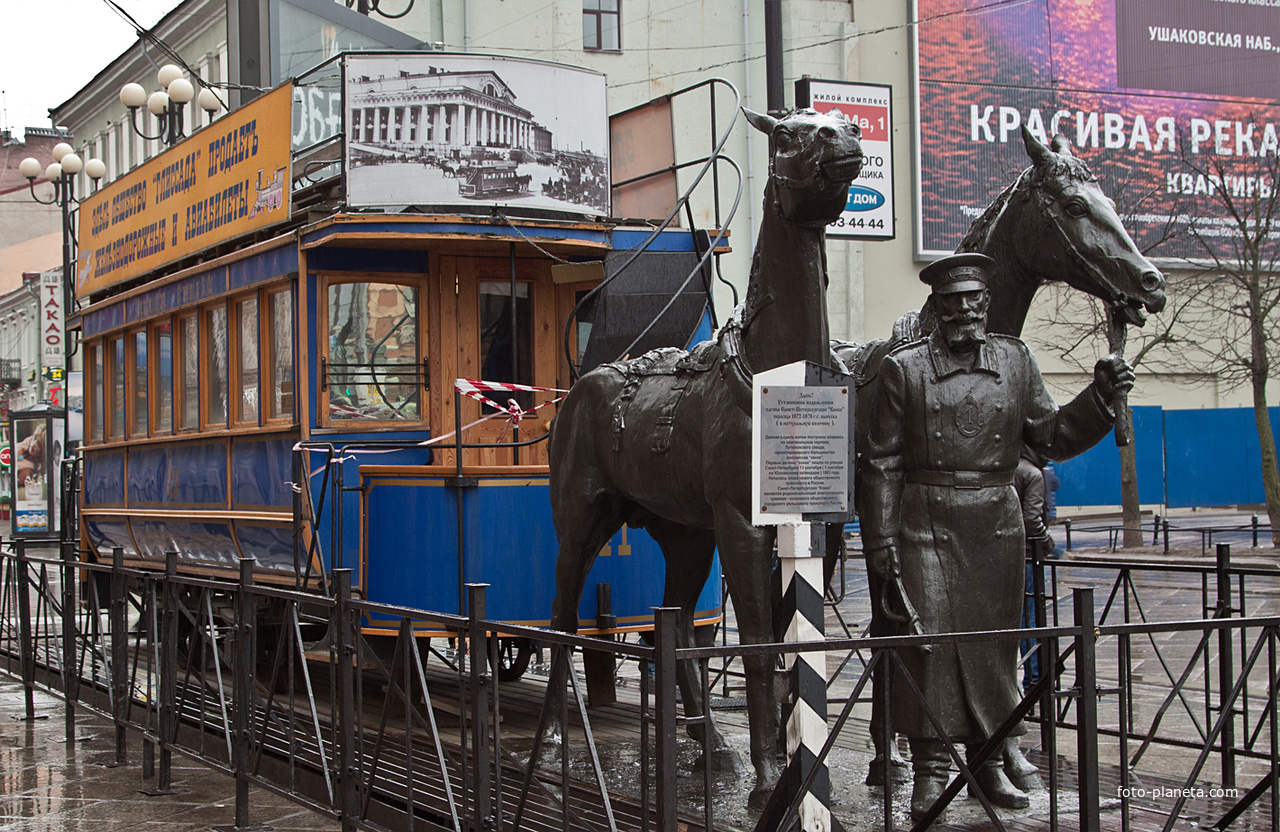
996,786
931,765
876,772
1021,772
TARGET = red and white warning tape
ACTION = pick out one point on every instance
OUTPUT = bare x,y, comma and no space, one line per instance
474,389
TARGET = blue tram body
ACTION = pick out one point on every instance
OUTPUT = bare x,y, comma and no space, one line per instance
216,484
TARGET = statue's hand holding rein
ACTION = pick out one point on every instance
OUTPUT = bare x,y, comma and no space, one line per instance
1113,375
883,560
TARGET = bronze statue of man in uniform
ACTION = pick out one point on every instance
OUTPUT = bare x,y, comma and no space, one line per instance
950,418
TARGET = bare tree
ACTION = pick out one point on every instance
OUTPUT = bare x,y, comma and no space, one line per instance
1237,253
1079,334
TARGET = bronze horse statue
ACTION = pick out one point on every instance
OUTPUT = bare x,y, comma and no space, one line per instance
1053,224
664,441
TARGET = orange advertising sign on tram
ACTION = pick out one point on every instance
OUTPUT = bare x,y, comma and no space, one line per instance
230,178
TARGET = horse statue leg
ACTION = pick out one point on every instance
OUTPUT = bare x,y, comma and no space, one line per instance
583,526
746,554
689,553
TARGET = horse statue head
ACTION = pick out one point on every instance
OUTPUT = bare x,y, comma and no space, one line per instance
1057,225
813,158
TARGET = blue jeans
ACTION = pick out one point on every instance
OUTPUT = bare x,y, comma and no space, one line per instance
1031,664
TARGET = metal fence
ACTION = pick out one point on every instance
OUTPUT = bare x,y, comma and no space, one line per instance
279,688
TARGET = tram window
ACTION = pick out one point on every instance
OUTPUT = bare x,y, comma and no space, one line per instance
116,371
138,413
164,377
374,364
216,365
95,395
189,373
247,360
280,308
496,337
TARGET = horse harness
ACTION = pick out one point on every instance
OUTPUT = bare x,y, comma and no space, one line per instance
683,367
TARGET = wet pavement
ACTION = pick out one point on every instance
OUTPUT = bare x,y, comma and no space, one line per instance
47,787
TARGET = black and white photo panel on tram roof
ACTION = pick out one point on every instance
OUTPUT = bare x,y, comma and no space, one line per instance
441,129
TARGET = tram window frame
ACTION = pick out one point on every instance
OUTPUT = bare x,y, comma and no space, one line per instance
237,403
116,392
138,358
181,391
417,282
162,404
95,404
271,382
207,357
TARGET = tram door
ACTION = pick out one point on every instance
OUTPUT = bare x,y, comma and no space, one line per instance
502,336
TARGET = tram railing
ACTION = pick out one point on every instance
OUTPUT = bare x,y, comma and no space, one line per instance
277,688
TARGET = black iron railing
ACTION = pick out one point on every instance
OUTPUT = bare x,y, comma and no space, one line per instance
280,689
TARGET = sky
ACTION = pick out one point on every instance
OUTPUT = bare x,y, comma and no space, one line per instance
53,48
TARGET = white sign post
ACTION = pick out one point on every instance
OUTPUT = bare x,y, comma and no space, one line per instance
802,464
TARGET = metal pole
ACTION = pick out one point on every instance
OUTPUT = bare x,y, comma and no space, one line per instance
1067,525
476,613
25,641
1155,530
119,654
1087,710
515,348
345,710
1255,530
664,643
70,686
1165,528
1226,668
775,94
246,613
169,673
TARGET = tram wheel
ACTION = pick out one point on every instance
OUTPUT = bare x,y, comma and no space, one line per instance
513,658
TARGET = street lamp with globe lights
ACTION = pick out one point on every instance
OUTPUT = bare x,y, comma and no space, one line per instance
167,104
62,175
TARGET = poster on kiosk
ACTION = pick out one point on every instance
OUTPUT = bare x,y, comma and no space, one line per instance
37,463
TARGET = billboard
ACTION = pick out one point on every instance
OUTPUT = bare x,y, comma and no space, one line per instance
448,129
1139,88
869,213
230,178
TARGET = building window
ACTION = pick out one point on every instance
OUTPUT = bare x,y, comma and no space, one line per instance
600,25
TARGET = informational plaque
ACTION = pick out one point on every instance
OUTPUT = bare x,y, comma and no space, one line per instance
801,445
804,449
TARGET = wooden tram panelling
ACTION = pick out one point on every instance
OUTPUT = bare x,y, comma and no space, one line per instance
218,491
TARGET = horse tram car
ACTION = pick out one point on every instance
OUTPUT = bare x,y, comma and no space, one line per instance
275,380
493,179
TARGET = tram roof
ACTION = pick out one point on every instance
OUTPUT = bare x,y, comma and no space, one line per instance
456,234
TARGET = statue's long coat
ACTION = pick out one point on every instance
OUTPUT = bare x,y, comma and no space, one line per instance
961,548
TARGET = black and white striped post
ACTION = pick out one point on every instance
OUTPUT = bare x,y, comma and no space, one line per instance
802,465
800,550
